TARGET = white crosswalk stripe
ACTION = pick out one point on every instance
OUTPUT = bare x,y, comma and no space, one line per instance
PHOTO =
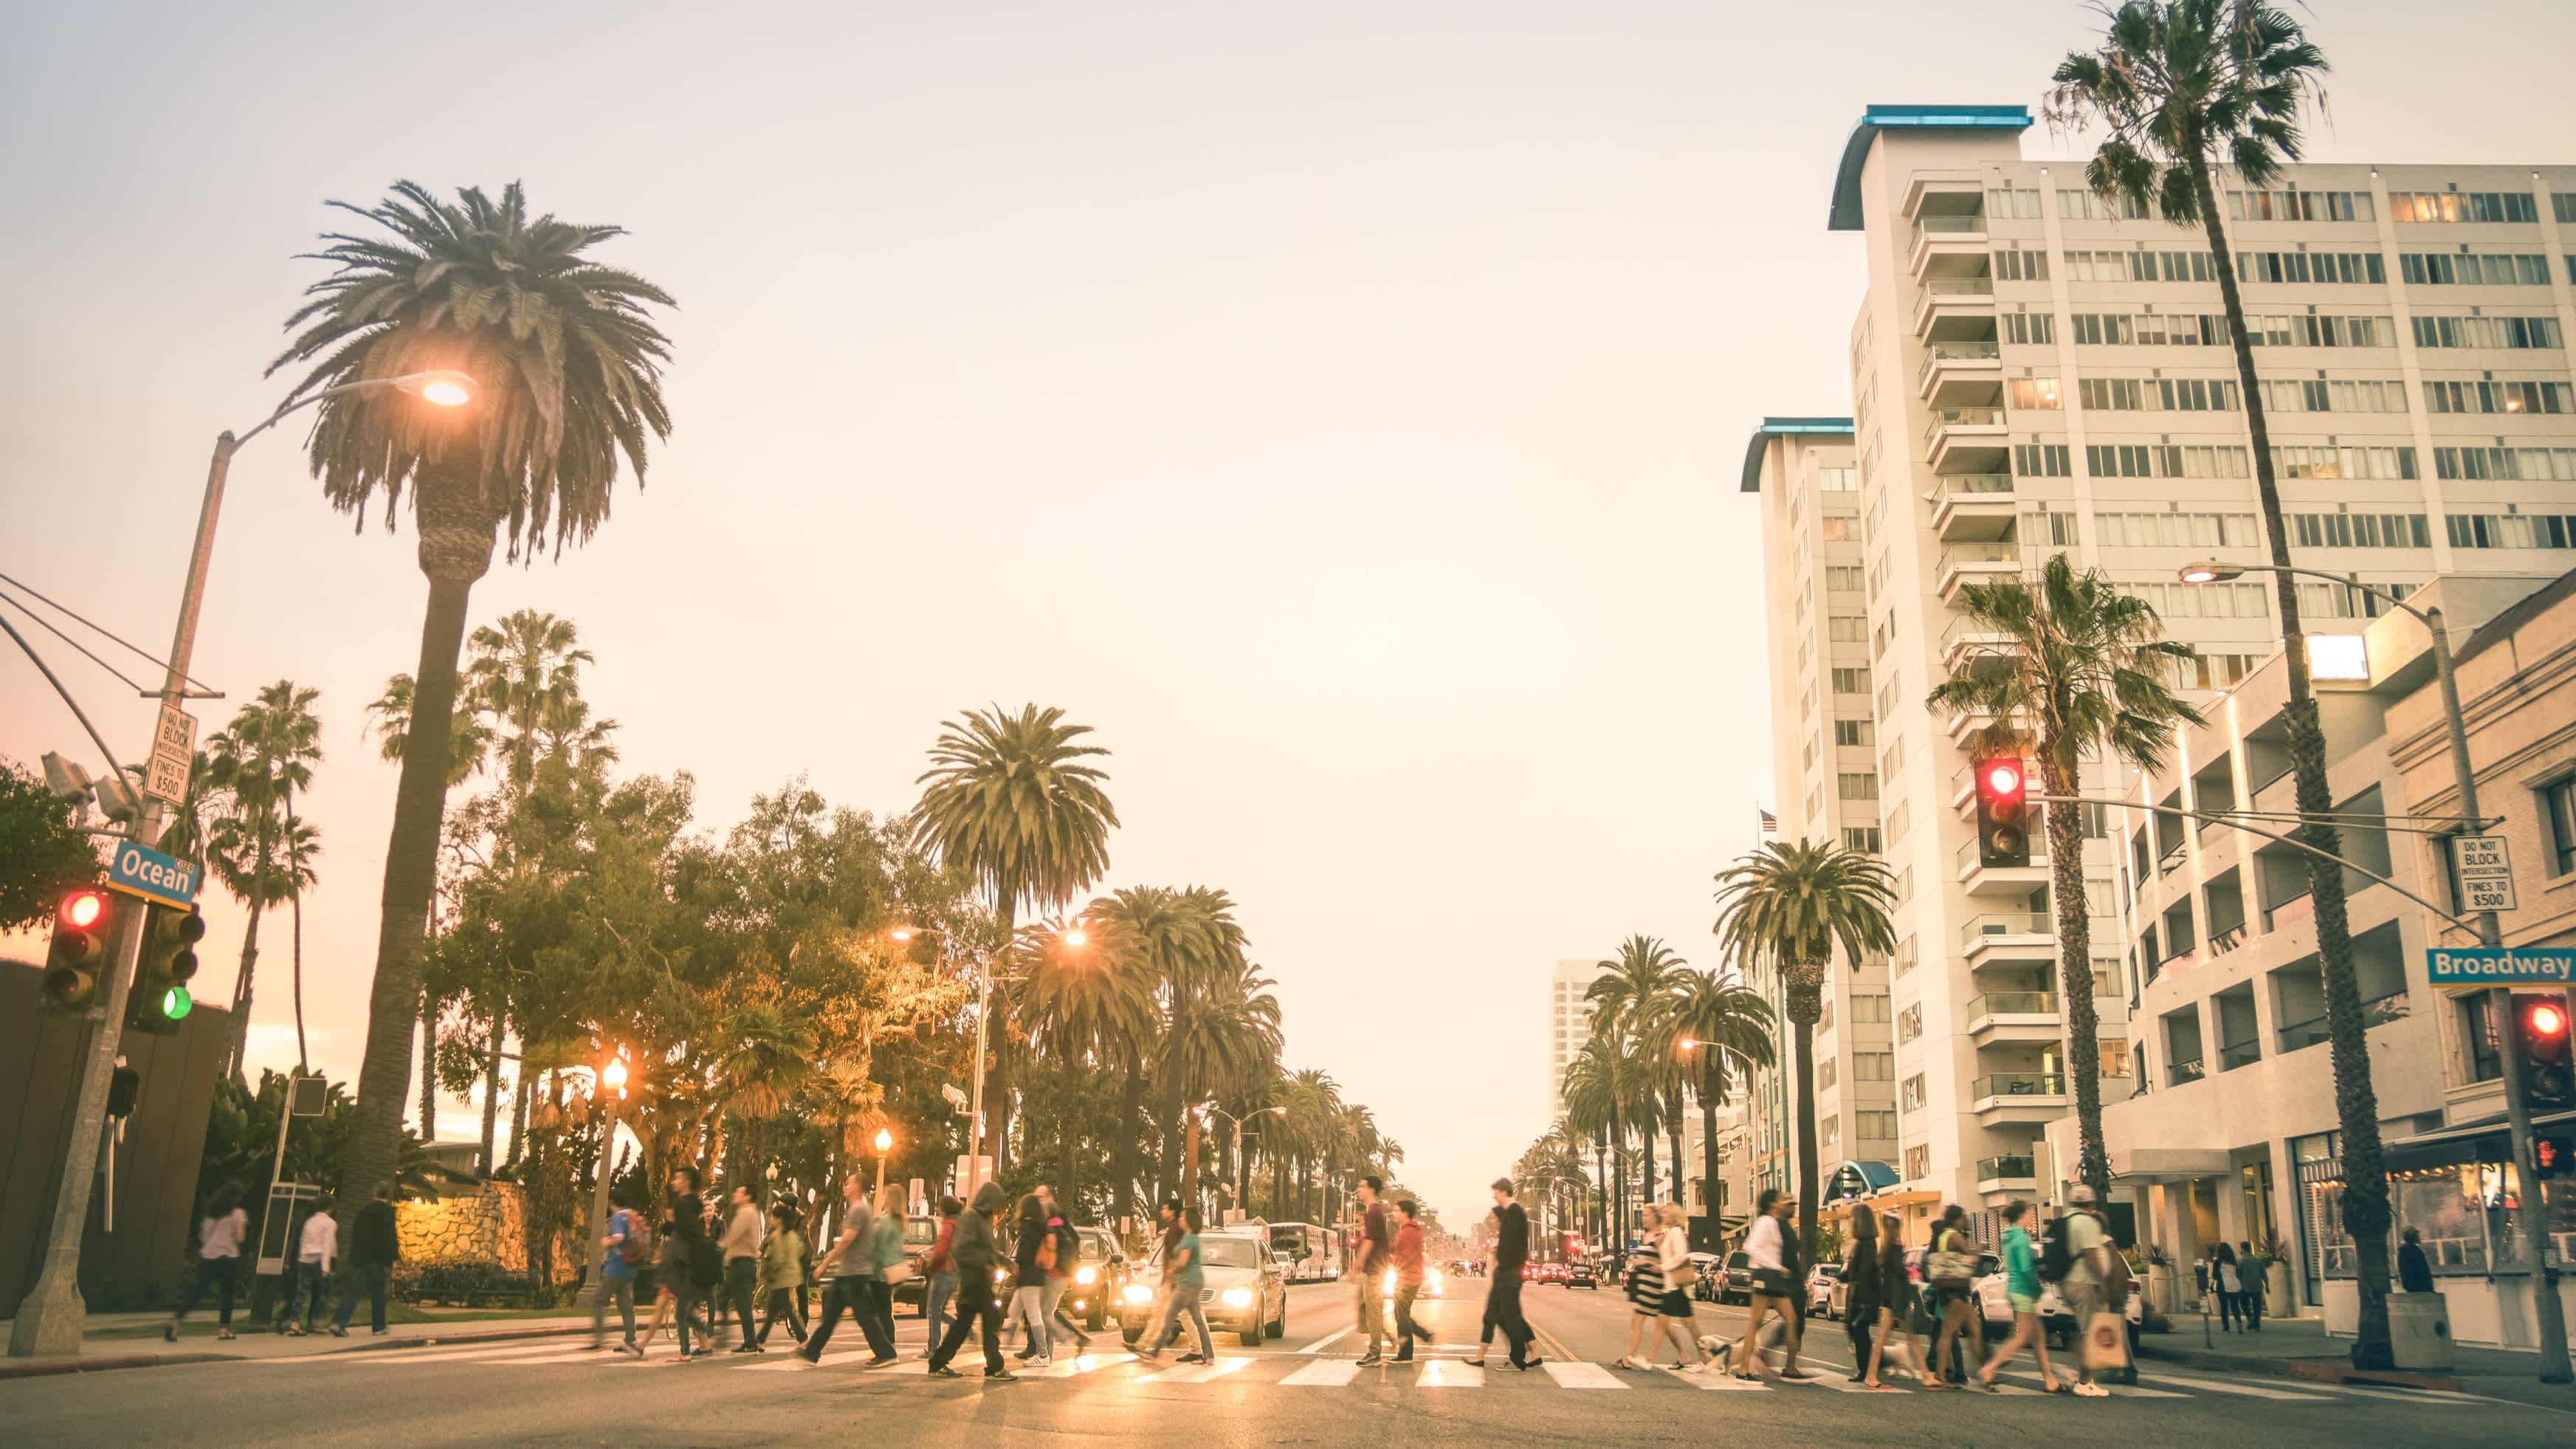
1580,1375
1328,1373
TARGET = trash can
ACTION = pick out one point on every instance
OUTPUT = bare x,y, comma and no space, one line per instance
2419,1331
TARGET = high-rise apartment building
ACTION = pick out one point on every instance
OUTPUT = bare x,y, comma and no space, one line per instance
2035,371
1569,1021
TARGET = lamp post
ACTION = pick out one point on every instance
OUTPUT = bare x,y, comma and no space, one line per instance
612,1085
50,1319
885,1144
1211,1109
2554,1367
1073,936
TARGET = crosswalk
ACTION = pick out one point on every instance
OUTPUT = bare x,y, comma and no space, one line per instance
1440,1371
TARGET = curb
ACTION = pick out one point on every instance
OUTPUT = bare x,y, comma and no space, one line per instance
2311,1370
490,1335
30,1368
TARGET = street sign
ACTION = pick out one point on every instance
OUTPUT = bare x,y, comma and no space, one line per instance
142,871
174,746
2479,967
2485,867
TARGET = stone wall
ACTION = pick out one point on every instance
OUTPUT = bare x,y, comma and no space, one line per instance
485,1226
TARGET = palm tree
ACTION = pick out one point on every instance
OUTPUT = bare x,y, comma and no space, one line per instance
1134,933
766,1053
1008,800
260,760
568,365
1089,1007
1722,1031
1314,1103
2082,668
1627,999
2180,87
469,734
526,673
1596,1084
1790,905
1220,1038
298,846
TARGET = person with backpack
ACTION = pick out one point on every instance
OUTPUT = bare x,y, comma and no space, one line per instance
782,1272
1059,1274
978,1255
1033,1253
2080,1249
1951,1267
939,1273
2021,1291
622,1253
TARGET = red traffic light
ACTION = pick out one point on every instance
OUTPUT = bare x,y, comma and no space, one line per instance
2000,779
82,910
2546,1019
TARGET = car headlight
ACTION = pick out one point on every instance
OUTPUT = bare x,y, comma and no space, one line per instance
997,1277
1390,1283
1139,1294
1431,1282
1237,1298
1086,1275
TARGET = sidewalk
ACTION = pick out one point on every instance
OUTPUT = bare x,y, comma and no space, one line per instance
2299,1348
132,1340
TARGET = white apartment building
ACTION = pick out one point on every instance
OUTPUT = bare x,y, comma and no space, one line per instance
2034,373
1569,1021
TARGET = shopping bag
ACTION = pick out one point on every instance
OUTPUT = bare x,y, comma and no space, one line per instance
2106,1342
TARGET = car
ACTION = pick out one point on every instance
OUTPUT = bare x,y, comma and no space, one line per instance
1581,1275
1098,1274
1706,1269
1241,1291
920,1234
1735,1280
1822,1280
2060,1326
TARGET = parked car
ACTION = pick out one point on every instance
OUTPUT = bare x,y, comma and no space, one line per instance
2054,1320
1735,1280
1098,1275
1241,1292
1822,1281
1581,1275
1705,1271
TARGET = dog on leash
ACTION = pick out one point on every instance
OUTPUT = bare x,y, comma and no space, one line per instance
1720,1351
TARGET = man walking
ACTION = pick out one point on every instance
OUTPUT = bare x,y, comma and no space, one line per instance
977,1254
846,1271
2087,1249
1373,1257
620,1250
939,1274
1068,1260
1503,1288
742,1261
1407,1254
314,1251
373,1251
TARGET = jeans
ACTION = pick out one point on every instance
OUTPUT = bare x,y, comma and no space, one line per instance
880,1322
1503,1311
1054,1310
620,1291
972,1307
367,1278
304,1296
1406,1330
1178,1301
1028,1312
742,1288
686,1303
782,1305
853,1294
1373,1309
936,1294
221,1274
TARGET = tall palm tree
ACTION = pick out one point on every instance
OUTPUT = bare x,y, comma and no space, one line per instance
299,845
2080,674
260,760
1722,1031
1009,801
1314,1103
525,672
1628,1000
1790,905
1596,1086
1221,1038
1089,1008
765,1054
568,364
2179,88
469,740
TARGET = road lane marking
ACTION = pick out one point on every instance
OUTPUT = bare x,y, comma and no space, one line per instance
2118,1391
1448,1374
1576,1374
1319,1345
1719,1381
1327,1373
1077,1365
2250,1391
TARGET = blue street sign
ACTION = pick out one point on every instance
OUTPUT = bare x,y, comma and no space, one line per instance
2501,966
142,871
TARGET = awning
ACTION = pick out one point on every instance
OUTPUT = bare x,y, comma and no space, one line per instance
1856,1179
2485,1141
2139,1166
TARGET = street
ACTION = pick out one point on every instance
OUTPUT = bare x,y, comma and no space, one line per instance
1306,1388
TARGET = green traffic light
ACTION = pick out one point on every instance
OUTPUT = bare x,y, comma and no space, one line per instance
176,1003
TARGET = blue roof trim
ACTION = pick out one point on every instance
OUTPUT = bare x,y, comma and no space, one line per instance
1786,427
1877,1175
1845,215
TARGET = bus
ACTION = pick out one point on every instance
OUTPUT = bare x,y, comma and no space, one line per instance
1310,1253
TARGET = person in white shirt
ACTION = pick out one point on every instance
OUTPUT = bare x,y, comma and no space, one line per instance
1672,1254
1766,1244
219,1237
314,1250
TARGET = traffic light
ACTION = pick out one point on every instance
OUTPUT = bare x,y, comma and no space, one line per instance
77,960
2548,1073
160,999
2003,813
2553,1154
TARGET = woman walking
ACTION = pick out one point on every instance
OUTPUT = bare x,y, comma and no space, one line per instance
1895,1310
219,1236
1951,1266
1030,1244
2021,1290
1766,1243
782,1272
1861,1300
1645,1306
1673,1315
682,1244
2228,1284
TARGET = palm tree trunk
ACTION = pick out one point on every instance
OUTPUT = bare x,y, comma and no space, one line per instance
295,903
1190,1158
2365,1173
519,1114
240,1047
491,1094
428,1068
457,531
2059,775
1711,1185
1068,1189
1673,1140
1131,1097
1646,1141
1805,1000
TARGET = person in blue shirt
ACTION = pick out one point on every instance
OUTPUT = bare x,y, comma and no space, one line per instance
1184,1277
2021,1290
616,1274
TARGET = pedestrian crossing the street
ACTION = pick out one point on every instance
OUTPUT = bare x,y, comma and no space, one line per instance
1439,1371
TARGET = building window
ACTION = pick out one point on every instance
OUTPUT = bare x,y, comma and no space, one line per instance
2507,206
1912,1095
1862,786
1877,1126
2558,805
2485,1059
1843,577
1918,1162
1909,1023
1868,1008
1863,838
2115,1057
1873,1066
1831,1133
1851,681
1827,1070
2034,392
1854,732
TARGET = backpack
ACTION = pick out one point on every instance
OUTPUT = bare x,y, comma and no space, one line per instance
1046,1253
637,1245
706,1262
2055,1260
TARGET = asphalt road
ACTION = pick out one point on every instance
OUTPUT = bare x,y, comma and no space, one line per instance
1306,1388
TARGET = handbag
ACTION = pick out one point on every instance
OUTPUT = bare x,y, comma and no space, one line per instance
1771,1282
898,1271
1682,1279
2106,1342
1947,1267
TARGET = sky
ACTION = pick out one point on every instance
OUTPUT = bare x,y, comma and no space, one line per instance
1338,406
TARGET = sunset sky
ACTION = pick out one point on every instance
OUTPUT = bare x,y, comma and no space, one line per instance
1338,406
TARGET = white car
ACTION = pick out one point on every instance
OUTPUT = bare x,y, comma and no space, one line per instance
1240,1290
2053,1317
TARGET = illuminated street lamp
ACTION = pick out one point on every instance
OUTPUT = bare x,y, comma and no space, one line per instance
936,941
885,1144
612,1082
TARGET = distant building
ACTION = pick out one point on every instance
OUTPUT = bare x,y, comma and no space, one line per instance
1569,1021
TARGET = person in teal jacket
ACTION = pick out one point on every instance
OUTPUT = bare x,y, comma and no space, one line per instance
885,1254
2021,1290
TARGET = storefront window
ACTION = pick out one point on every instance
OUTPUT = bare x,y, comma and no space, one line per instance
2445,1205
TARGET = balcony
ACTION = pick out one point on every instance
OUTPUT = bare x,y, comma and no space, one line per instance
1953,366
2011,935
1952,235
1969,506
2234,1054
1999,1017
2297,908
1975,563
1966,440
2001,1174
2018,1098
2179,1073
1951,299
1979,878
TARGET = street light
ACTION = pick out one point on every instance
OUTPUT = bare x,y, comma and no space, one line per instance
51,1317
905,935
885,1144
2553,1327
612,1081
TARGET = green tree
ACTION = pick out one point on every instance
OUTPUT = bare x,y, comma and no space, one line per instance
2179,88
1598,1084
568,364
42,853
1628,1000
1009,801
1721,1031
260,761
1221,1038
1092,1010
525,673
2079,674
1789,906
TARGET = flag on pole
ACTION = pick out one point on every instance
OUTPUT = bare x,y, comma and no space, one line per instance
1765,821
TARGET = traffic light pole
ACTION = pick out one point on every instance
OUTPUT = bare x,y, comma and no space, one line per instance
51,1318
